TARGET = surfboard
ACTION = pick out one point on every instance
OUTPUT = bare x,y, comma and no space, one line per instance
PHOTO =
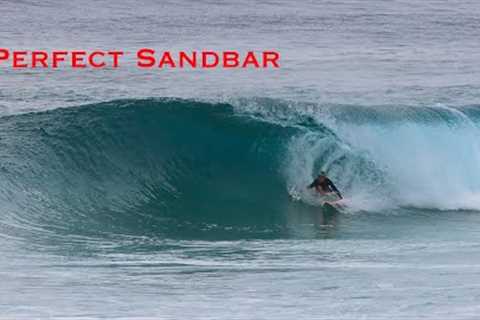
332,203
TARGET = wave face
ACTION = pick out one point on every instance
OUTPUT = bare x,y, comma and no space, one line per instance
186,169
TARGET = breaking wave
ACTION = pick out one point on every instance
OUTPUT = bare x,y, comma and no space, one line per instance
185,169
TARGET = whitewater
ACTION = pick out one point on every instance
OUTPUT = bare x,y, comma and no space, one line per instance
175,194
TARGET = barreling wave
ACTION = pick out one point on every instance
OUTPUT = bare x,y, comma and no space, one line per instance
186,169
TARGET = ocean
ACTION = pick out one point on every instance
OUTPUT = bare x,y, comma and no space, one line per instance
181,193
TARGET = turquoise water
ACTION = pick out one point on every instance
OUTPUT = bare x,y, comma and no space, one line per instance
181,194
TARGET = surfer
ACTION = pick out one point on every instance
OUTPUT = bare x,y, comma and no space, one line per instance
324,185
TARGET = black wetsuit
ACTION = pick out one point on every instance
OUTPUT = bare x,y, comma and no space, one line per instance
326,186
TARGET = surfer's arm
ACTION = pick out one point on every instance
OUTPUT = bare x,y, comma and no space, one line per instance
311,185
334,188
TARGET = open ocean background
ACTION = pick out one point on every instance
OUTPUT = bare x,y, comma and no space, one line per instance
167,194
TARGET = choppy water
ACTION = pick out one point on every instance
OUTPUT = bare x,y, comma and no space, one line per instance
167,194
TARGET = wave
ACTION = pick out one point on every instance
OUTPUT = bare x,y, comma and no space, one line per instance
183,168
